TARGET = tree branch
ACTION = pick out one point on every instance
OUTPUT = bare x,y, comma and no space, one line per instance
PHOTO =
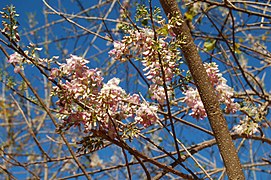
207,93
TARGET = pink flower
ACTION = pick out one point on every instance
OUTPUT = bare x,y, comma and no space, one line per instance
135,99
112,94
158,93
54,73
142,42
15,58
101,105
146,115
246,126
192,99
119,50
232,107
223,92
212,71
17,69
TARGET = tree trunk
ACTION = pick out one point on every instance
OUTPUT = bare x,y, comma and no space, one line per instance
207,94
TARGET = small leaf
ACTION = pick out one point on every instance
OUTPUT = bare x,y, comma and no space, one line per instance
162,31
189,16
144,22
237,48
209,45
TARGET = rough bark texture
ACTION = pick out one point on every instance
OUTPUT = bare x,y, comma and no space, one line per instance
208,97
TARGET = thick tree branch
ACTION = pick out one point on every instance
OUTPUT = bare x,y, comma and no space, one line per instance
207,94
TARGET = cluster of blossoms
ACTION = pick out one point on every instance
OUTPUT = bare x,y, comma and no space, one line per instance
154,55
85,99
246,126
223,92
249,124
16,59
19,60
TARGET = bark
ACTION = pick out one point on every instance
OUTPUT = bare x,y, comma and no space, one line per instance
207,94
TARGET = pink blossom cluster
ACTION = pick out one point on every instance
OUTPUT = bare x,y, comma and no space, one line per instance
192,99
223,92
141,42
19,60
16,59
85,99
146,114
246,126
253,114
158,93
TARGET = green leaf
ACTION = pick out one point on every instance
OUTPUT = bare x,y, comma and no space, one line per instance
189,16
162,31
144,22
237,48
209,45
